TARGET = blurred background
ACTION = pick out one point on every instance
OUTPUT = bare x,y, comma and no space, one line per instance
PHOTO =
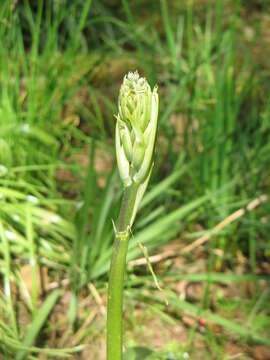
205,216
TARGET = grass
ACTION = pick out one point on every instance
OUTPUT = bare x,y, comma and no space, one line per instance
59,188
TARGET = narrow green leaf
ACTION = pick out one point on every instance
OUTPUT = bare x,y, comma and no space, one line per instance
39,321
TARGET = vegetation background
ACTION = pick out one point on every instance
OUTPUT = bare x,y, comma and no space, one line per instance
205,217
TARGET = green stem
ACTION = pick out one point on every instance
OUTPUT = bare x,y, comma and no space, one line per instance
116,277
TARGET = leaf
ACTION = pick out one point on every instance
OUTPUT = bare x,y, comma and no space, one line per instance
238,329
40,319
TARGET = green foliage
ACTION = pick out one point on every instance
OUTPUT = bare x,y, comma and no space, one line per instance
61,64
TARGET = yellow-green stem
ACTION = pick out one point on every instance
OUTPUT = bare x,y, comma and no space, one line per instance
116,277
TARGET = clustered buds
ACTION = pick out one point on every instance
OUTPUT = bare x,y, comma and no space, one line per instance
136,129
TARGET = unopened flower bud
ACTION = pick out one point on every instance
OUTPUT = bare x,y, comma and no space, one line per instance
136,128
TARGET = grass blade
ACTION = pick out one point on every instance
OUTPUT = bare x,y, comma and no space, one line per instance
38,323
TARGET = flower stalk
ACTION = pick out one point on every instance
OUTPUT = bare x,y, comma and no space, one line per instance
135,137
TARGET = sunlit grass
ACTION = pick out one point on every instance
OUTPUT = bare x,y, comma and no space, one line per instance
60,66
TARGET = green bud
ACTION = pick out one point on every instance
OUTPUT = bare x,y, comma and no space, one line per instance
136,128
